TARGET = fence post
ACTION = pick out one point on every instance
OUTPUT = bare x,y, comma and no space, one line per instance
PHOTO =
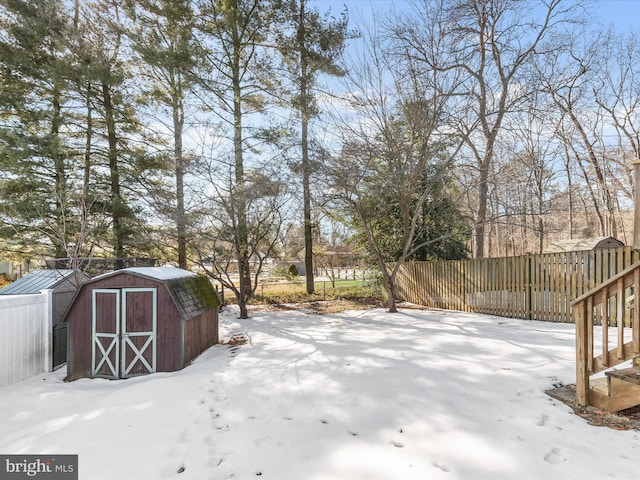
527,298
47,326
463,285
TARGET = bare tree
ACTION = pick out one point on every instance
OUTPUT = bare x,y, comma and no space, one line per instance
527,175
215,243
568,79
490,45
617,92
393,155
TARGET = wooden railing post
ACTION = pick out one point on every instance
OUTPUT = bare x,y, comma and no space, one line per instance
582,342
635,320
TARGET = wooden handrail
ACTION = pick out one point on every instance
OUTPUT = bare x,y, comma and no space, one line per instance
596,306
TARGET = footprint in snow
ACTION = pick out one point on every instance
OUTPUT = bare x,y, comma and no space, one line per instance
554,457
222,427
397,444
322,420
353,434
444,468
215,461
211,441
542,421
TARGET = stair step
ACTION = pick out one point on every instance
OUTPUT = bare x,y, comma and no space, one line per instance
600,385
619,390
631,375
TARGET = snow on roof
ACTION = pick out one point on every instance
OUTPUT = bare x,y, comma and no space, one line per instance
161,273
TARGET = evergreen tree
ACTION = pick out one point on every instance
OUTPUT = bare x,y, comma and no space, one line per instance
113,128
236,31
162,35
311,49
37,162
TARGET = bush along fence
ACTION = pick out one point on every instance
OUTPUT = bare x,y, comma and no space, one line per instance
536,287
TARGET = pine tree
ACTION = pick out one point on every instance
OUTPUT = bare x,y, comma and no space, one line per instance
235,31
162,35
113,128
37,162
312,49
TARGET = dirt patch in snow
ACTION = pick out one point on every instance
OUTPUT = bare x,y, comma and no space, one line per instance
628,419
320,307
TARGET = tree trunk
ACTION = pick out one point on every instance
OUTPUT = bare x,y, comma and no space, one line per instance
240,205
87,146
388,283
242,304
391,297
306,167
308,231
178,125
60,177
117,205
481,213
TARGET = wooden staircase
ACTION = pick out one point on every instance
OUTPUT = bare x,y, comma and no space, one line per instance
607,336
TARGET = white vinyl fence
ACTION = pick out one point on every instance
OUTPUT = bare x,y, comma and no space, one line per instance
25,336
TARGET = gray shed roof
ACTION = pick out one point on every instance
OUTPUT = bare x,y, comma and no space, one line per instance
41,280
582,244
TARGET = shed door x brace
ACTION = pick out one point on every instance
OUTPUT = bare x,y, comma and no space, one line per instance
124,326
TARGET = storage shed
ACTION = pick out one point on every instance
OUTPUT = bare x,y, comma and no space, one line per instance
64,285
583,244
140,320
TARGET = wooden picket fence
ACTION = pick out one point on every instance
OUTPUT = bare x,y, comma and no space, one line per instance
537,287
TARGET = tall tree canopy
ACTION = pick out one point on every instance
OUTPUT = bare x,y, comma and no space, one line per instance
312,47
165,128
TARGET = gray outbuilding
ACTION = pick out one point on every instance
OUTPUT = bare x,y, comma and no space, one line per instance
64,285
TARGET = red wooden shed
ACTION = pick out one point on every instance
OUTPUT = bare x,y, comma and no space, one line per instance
140,320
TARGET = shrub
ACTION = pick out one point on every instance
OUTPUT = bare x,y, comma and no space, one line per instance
292,273
4,280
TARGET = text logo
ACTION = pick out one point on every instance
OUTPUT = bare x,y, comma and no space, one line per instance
49,467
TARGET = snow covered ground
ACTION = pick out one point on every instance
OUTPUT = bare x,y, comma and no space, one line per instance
360,395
